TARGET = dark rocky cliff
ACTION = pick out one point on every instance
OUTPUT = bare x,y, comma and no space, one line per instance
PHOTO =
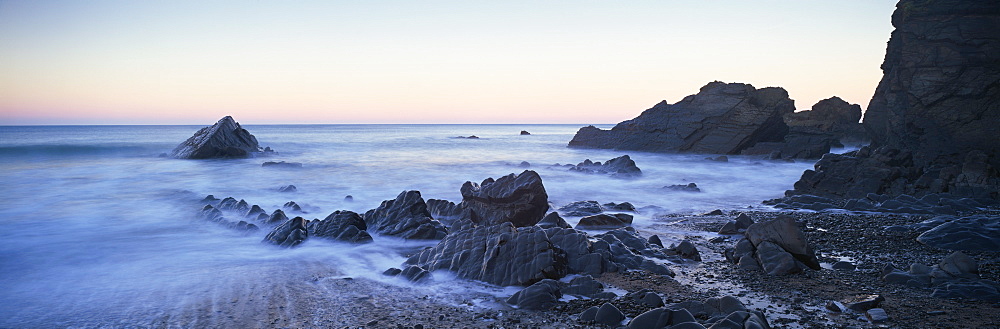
935,117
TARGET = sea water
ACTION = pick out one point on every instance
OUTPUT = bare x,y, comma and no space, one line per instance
95,220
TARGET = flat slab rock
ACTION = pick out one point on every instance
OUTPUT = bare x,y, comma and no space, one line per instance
975,233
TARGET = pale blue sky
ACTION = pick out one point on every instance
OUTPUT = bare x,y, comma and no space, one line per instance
167,62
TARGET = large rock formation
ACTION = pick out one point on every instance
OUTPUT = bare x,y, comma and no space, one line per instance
935,116
224,139
406,216
811,134
723,118
517,199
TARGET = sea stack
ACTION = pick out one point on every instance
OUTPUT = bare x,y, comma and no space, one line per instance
935,115
224,139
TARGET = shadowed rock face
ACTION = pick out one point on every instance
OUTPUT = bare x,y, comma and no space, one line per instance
940,92
499,254
517,199
723,118
224,139
406,216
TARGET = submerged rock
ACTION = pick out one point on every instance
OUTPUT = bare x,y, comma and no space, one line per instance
622,167
288,188
225,139
281,164
406,216
690,187
517,199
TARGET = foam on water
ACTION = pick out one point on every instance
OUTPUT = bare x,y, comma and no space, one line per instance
95,221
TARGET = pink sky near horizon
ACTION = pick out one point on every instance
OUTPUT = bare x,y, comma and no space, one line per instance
119,62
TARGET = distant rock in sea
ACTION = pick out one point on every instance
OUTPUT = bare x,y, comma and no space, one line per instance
621,167
525,132
224,139
723,118
281,164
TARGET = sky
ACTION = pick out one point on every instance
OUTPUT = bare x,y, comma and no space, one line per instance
581,61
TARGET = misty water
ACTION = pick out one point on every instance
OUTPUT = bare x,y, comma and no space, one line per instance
97,225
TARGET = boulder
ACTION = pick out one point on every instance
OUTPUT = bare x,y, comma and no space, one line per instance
499,254
289,234
777,246
723,118
525,132
685,249
225,139
609,315
517,199
621,167
406,217
541,295
604,221
341,225
582,208
624,206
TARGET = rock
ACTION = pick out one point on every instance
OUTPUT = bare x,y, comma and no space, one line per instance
866,304
341,225
624,206
685,249
225,139
609,315
468,137
392,272
621,167
289,234
292,206
933,116
664,317
877,315
960,265
277,216
646,297
583,286
288,188
721,119
716,212
589,315
655,241
845,266
445,211
499,254
604,221
524,164
974,233
254,211
406,217
582,208
525,132
349,198
541,295
517,199
729,228
721,158
553,220
281,164
743,222
784,232
690,187
414,274
835,307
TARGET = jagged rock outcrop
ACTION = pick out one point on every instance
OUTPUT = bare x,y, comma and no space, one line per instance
621,167
499,254
935,115
225,139
811,134
517,199
406,217
289,234
723,118
341,225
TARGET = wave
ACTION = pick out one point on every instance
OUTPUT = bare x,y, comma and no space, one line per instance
80,150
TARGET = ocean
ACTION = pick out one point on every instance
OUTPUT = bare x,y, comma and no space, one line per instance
99,227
